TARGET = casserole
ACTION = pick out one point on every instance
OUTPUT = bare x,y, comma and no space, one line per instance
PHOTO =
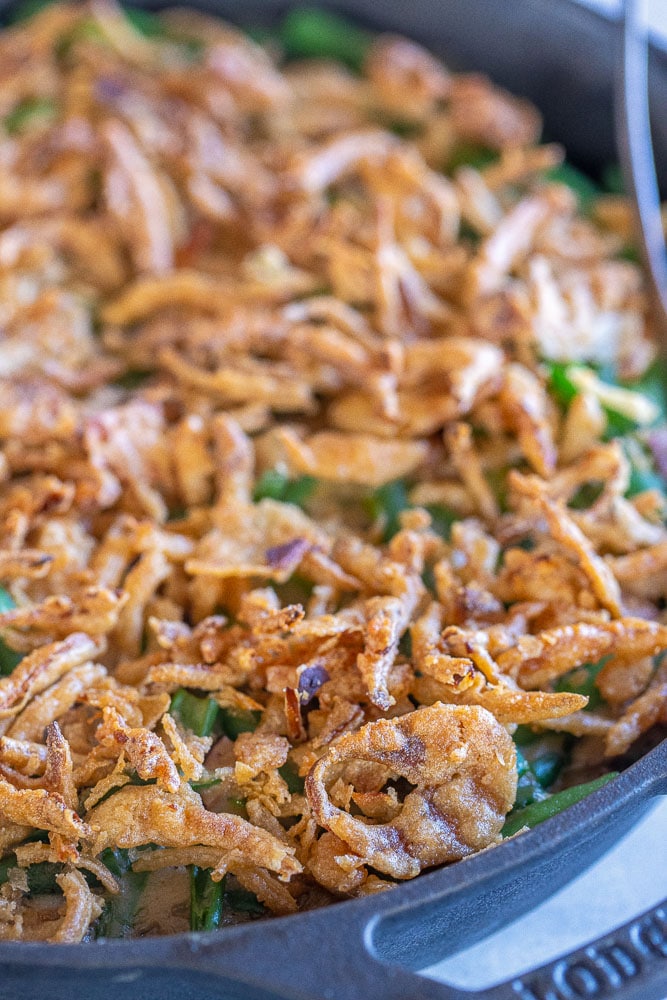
389,933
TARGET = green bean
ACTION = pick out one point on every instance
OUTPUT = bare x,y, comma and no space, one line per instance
586,190
9,658
582,679
206,900
384,505
612,179
540,759
27,9
275,485
298,490
524,735
642,480
546,755
237,805
204,783
318,34
290,775
619,425
442,519
117,860
559,383
405,642
237,720
244,901
7,602
470,155
522,765
28,113
497,480
260,34
132,379
547,767
5,864
118,916
177,513
643,474
630,253
197,714
403,128
152,26
296,590
84,30
652,384
537,812
528,788
586,495
145,23
41,876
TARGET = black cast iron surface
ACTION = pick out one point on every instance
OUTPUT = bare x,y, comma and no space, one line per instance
562,57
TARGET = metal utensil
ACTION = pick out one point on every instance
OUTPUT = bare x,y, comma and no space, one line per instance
635,148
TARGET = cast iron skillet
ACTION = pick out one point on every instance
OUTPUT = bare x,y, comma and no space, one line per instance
562,57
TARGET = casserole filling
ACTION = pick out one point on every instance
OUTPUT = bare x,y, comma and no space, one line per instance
331,451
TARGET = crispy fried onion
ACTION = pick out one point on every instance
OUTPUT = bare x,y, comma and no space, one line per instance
539,659
462,765
40,669
143,749
82,907
135,815
474,678
42,809
95,612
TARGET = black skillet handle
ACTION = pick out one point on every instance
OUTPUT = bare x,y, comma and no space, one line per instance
628,964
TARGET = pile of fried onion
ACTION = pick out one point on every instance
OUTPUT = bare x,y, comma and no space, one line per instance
243,305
